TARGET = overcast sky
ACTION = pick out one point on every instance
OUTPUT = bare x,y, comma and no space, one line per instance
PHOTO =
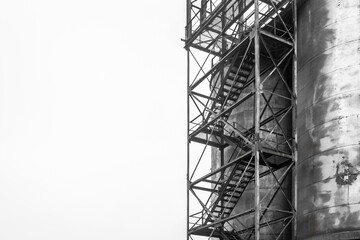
92,120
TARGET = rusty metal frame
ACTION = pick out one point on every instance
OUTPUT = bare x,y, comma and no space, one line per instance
227,41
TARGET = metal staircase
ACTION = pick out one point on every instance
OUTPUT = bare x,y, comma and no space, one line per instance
232,85
228,32
231,190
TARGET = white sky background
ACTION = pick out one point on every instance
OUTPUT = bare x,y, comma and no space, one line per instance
92,120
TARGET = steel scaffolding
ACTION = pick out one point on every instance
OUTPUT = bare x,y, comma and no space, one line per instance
235,48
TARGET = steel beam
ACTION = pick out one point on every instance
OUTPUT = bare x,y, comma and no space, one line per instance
294,123
257,122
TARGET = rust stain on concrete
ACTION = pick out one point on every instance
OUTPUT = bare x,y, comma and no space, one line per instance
346,173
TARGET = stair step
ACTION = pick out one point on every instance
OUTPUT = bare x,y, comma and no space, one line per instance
247,67
234,185
244,182
237,190
234,200
236,180
241,168
250,168
249,171
226,198
240,73
241,185
228,97
233,195
225,212
236,177
229,103
233,87
237,83
247,64
238,79
233,91
245,177
223,207
231,201
239,173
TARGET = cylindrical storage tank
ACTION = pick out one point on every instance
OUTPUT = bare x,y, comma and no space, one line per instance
328,123
242,118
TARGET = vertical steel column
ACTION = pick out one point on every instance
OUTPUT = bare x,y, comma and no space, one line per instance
257,122
223,42
203,6
188,32
188,21
294,122
188,148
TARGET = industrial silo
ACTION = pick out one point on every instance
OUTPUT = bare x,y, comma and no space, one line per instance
328,123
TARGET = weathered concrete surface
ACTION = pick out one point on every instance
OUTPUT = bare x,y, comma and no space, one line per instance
329,119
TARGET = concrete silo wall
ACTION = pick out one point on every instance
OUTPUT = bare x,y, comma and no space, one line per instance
329,120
